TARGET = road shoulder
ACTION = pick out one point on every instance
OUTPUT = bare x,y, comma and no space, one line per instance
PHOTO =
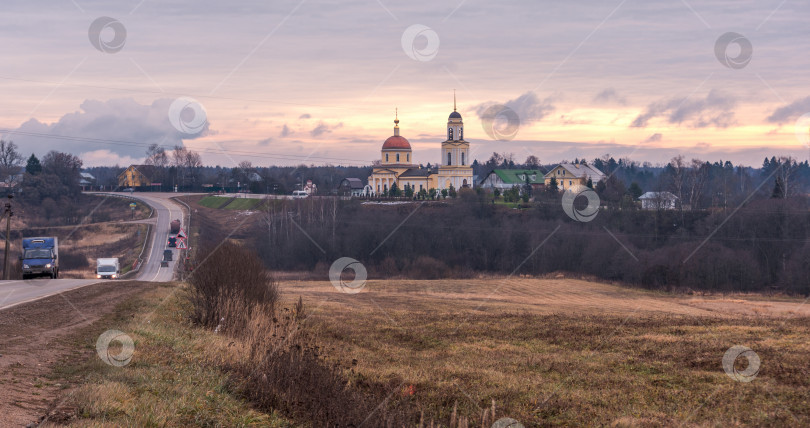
36,337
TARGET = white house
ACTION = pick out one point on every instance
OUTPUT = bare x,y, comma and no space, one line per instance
658,200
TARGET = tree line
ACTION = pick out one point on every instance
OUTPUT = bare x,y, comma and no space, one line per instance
761,246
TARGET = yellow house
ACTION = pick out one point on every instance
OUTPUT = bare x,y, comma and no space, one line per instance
569,175
136,176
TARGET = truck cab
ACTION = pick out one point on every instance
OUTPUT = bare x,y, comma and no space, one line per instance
40,257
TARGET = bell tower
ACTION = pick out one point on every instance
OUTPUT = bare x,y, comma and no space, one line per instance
455,150
455,126
455,167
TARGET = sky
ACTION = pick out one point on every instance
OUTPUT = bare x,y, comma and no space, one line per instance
316,82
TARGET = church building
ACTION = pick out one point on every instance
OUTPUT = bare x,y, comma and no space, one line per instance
397,164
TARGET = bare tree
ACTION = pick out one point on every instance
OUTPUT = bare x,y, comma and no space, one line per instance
785,171
532,161
678,175
10,162
156,156
696,177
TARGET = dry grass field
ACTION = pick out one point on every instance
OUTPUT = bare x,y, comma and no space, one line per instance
568,352
546,352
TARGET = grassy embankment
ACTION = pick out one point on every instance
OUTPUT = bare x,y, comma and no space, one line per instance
219,202
612,356
169,382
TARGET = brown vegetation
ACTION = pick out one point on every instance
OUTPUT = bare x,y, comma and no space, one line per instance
276,363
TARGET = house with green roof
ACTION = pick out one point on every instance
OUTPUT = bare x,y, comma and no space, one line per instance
505,179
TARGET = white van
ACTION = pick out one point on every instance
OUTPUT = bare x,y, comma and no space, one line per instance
299,194
108,268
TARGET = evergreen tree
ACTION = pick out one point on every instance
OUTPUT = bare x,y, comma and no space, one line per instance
527,188
33,166
778,190
552,185
635,190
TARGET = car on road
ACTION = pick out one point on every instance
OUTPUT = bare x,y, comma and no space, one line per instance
167,255
299,194
164,263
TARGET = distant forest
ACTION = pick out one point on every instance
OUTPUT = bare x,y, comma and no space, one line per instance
761,245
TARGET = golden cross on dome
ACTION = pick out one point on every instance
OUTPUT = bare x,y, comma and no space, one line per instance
454,100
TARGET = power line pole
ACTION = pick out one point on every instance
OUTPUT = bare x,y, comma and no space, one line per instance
8,215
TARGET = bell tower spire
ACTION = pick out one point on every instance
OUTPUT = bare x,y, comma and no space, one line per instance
396,121
454,100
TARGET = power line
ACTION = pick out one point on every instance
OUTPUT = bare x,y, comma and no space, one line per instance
269,155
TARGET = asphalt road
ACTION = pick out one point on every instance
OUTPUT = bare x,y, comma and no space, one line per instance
15,292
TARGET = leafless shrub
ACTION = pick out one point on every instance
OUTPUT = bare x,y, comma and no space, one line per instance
228,287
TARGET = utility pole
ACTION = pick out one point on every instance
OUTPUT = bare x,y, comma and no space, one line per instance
8,215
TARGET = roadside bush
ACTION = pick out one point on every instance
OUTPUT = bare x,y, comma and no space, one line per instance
288,373
228,287
231,291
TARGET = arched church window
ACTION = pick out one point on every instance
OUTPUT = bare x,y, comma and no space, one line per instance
407,157
386,157
462,158
397,157
450,134
449,158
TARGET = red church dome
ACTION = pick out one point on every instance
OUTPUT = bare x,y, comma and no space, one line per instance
396,142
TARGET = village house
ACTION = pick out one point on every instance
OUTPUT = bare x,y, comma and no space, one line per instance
658,201
569,175
505,179
351,187
137,176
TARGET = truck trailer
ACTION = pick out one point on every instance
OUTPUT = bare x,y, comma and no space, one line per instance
174,227
108,268
40,257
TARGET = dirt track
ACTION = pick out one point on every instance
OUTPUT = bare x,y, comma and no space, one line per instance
36,336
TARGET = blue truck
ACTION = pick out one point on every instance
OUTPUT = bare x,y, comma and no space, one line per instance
40,257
